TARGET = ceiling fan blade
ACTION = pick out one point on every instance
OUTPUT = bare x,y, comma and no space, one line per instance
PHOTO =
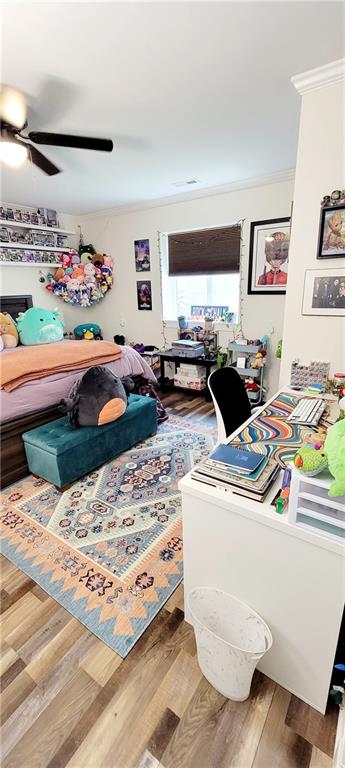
65,140
41,161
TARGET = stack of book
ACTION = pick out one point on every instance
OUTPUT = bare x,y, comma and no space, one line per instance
249,470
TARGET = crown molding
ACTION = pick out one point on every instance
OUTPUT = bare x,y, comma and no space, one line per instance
183,197
321,77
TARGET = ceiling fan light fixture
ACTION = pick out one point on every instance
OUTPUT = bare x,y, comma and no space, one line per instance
12,153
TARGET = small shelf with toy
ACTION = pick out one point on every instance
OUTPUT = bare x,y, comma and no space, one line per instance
35,227
51,264
249,359
30,247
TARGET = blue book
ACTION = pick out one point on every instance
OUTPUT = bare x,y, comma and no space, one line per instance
243,461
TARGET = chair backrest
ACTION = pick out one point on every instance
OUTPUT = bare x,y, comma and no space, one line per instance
230,400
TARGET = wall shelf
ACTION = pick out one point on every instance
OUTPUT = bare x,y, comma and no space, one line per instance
35,227
29,247
47,264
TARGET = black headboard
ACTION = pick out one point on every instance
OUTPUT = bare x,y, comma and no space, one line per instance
15,304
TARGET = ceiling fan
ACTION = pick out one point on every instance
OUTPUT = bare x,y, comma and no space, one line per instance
16,147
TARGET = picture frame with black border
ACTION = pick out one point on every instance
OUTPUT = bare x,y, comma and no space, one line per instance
267,275
324,292
331,239
144,295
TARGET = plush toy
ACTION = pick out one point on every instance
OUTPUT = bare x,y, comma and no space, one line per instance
88,331
1,344
89,274
66,260
97,260
86,253
335,451
39,326
8,331
310,459
97,398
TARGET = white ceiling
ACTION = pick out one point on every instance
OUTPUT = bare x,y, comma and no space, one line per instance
186,90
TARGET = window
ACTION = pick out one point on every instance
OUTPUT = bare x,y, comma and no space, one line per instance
201,268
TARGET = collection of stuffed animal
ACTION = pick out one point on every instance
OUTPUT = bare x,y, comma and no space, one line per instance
35,326
82,278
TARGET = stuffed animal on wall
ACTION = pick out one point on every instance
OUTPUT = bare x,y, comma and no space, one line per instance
39,326
8,331
97,398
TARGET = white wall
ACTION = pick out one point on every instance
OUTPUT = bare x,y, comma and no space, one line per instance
320,169
115,232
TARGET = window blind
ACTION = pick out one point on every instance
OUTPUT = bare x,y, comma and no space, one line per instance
205,252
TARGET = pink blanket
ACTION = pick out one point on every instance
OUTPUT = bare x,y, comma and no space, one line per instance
40,394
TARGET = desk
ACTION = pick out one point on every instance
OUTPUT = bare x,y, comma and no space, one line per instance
294,578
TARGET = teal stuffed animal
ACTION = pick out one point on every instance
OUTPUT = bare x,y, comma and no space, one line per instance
39,326
335,452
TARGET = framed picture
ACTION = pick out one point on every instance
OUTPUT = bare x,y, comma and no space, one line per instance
324,292
268,256
332,232
142,255
144,294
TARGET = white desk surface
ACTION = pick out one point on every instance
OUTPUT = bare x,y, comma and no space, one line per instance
260,511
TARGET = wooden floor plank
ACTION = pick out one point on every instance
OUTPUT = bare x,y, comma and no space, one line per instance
11,673
289,749
204,707
14,695
17,614
317,729
159,629
100,663
8,657
319,759
31,708
46,734
50,655
44,634
34,621
127,705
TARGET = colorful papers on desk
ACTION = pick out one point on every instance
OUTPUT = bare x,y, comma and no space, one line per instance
268,432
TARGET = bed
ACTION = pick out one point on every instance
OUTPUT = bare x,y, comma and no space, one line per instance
36,402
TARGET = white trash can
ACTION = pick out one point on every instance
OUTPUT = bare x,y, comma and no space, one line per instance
231,638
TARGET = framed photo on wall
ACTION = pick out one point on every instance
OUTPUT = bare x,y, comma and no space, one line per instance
332,232
268,256
142,255
324,292
144,294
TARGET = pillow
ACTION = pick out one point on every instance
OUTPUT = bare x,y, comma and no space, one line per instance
97,398
8,331
39,326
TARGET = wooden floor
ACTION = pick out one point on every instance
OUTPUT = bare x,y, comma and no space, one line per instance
68,700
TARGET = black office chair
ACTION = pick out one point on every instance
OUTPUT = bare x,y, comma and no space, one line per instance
230,399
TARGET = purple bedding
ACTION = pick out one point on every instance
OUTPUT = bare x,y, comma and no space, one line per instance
37,395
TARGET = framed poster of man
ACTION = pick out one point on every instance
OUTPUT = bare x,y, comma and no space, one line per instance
268,256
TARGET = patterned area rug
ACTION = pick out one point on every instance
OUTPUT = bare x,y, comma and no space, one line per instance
109,549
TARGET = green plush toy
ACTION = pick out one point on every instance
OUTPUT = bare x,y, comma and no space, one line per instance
310,459
39,326
335,451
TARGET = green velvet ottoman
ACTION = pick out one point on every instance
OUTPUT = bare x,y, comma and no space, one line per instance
62,454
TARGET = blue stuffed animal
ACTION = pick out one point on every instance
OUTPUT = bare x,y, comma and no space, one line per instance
39,326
